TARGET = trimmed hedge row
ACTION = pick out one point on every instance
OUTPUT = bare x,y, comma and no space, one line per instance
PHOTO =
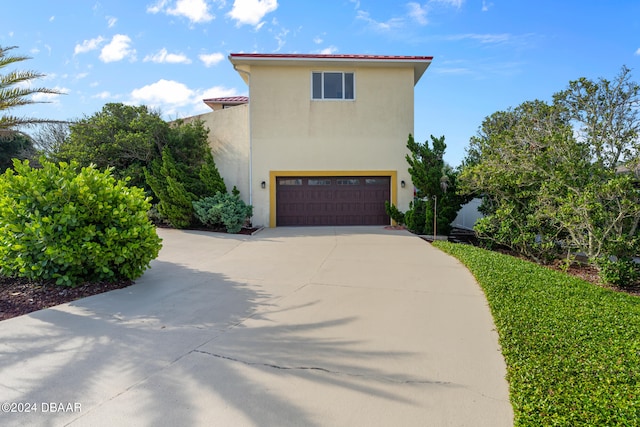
572,349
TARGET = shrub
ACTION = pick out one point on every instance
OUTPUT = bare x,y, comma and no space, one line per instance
623,272
394,213
415,217
223,209
67,225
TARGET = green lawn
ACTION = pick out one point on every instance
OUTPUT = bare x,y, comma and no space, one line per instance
572,348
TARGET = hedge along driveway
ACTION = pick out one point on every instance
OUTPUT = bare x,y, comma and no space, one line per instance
572,349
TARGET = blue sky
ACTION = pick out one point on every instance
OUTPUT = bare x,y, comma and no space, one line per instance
489,55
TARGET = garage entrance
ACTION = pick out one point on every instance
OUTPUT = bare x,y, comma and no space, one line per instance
332,200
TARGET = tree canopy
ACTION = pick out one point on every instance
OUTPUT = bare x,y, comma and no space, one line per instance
171,161
124,137
562,176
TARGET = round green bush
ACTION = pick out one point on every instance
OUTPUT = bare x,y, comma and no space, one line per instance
69,225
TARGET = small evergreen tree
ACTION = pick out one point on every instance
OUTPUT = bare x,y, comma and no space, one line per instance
167,182
435,182
210,177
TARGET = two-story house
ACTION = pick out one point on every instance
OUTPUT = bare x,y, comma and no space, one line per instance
321,139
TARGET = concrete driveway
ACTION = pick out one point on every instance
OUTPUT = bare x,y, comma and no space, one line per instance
353,326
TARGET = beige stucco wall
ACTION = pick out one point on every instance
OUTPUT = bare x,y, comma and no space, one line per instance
291,132
229,141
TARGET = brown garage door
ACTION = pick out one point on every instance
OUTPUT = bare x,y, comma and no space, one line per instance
348,200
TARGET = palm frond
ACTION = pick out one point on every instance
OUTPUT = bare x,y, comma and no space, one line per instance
15,91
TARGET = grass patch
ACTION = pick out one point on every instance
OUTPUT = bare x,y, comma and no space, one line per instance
572,349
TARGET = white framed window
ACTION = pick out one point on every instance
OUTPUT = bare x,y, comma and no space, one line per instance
332,85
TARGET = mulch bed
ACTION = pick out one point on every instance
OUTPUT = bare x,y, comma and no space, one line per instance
584,271
21,296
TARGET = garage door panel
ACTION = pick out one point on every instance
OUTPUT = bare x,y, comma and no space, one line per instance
332,200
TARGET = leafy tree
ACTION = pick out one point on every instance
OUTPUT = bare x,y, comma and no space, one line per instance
606,117
507,163
14,145
124,137
436,184
171,161
563,173
13,94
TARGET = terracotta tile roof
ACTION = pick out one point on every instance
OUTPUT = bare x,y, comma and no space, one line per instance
235,100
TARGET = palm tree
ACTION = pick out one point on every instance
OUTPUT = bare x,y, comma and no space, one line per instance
15,93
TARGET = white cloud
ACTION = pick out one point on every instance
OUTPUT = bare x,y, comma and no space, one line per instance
328,50
638,51
103,95
197,11
251,12
111,21
454,3
317,40
211,59
157,7
165,57
52,19
418,13
482,38
88,45
81,76
163,92
281,38
118,49
379,26
172,97
453,71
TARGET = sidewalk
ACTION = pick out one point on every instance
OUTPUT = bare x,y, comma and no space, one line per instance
353,326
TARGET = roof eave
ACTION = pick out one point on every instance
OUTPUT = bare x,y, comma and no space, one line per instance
419,63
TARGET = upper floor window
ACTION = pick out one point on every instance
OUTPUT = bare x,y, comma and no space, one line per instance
332,85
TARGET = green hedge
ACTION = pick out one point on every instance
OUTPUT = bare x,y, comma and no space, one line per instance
62,224
572,348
